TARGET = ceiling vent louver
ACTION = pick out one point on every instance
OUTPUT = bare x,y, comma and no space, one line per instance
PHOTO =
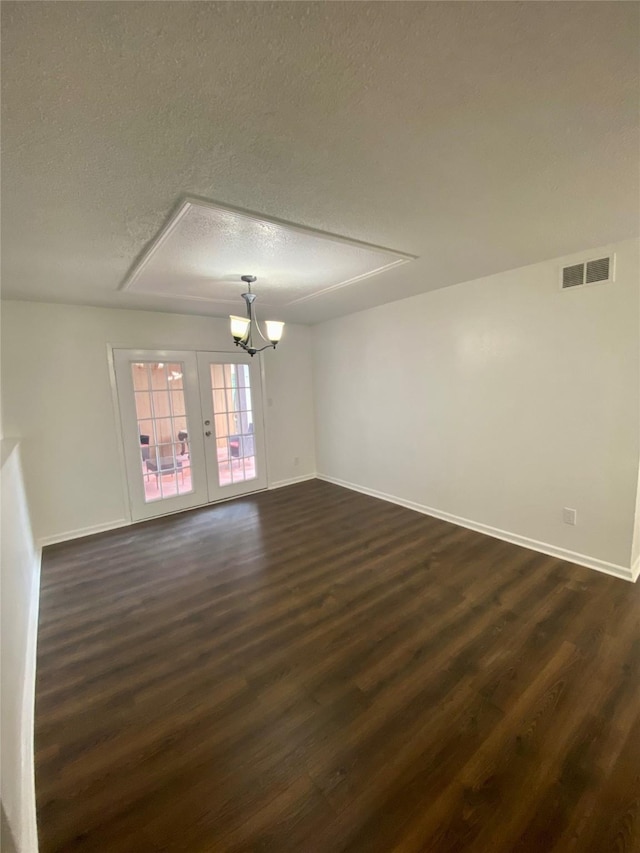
597,271
573,276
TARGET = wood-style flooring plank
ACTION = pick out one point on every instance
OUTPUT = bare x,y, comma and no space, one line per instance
315,670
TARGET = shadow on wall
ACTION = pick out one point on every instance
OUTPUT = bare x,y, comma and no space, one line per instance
7,843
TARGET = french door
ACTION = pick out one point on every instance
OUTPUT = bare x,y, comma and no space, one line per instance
192,428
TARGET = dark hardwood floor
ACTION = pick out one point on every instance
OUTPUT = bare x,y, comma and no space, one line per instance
314,670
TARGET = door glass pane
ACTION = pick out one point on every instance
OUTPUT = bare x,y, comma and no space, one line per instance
231,397
140,377
143,404
243,375
174,374
217,376
177,401
163,431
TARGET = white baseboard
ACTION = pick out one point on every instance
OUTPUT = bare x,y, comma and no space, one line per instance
617,571
635,570
82,531
280,483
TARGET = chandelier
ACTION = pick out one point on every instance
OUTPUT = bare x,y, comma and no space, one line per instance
243,328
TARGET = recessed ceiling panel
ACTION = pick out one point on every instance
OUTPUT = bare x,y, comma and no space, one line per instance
205,248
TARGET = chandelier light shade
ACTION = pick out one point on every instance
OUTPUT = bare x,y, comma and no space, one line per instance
243,328
274,330
239,327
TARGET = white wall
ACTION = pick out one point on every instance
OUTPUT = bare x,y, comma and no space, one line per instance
499,401
289,406
57,398
635,547
20,577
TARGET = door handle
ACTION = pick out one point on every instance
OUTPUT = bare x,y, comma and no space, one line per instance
208,432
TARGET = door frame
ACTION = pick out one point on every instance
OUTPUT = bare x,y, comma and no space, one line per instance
140,509
165,350
260,482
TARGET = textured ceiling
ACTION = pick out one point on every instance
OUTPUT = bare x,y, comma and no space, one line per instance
479,136
204,250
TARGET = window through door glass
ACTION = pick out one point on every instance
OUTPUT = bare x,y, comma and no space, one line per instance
162,428
234,425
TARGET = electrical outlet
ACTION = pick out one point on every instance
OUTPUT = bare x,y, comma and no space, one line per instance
569,516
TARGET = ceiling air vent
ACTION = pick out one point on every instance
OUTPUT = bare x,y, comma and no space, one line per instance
597,271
